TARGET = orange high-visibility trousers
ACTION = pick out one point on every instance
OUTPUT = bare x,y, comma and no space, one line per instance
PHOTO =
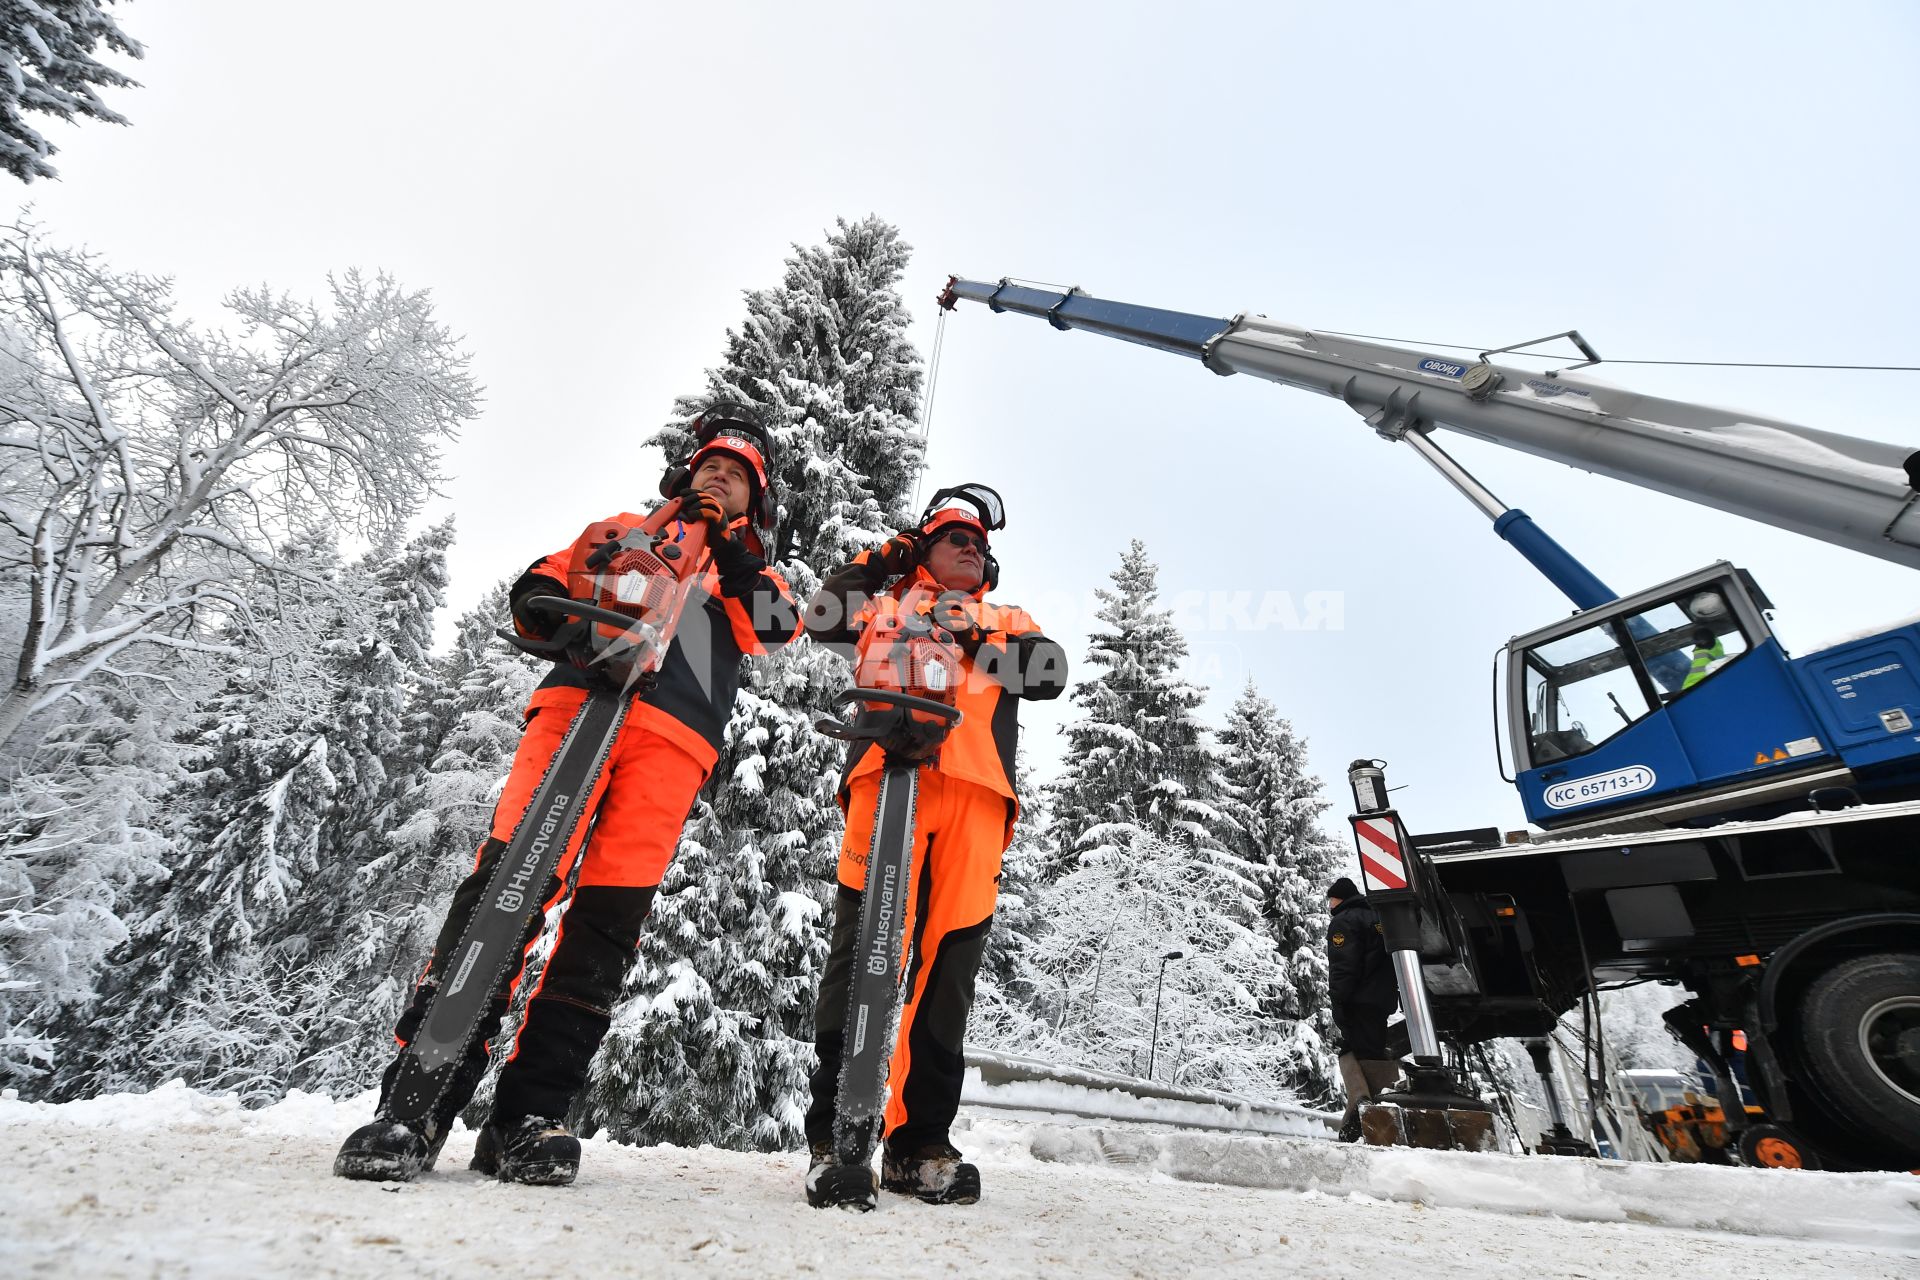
960,831
638,803
623,843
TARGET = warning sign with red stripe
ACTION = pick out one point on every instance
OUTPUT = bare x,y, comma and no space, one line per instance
1383,864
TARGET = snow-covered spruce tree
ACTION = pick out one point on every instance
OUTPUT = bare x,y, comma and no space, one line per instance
450,812
825,356
1136,760
444,817
358,911
246,821
1274,806
83,828
1015,1001
712,1040
1017,919
286,885
48,48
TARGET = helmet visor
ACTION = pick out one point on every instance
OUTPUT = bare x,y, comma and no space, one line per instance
976,502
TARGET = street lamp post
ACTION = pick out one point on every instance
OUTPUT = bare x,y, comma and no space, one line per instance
1154,1048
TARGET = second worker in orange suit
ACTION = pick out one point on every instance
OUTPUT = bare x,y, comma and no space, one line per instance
964,822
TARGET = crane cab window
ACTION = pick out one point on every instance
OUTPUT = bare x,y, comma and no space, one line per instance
1687,640
1581,689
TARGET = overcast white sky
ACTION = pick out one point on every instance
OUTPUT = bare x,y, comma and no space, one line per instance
588,189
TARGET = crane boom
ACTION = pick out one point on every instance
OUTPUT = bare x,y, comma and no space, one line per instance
1858,494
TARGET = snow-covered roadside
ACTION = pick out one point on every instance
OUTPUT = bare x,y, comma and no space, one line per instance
1851,1208
1000,1083
178,1184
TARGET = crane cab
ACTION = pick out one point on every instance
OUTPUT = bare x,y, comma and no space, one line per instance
1661,708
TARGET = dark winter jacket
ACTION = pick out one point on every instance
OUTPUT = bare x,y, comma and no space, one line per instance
1358,971
747,609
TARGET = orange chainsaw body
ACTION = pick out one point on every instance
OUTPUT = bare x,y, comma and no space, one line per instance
640,571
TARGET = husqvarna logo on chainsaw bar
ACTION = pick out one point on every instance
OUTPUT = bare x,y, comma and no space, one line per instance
883,918
513,898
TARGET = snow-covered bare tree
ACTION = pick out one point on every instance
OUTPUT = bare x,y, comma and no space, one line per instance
1113,922
713,1039
1136,758
1637,1036
47,67
1015,1003
146,466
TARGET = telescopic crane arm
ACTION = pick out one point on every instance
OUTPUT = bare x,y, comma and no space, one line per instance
1858,494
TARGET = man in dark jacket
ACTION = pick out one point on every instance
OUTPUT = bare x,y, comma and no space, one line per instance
1364,995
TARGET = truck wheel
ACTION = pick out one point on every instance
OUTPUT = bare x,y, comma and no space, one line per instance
1860,1031
1768,1146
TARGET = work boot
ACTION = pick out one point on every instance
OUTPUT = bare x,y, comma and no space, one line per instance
934,1172
532,1149
389,1150
832,1185
1349,1127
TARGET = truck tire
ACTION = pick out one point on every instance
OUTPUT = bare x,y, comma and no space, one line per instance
1860,1033
1771,1146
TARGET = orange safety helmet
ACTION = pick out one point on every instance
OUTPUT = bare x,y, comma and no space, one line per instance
988,513
740,431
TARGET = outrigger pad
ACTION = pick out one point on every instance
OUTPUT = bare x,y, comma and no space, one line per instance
1380,1126
1427,1128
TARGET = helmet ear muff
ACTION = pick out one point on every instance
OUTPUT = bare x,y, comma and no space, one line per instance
992,578
674,479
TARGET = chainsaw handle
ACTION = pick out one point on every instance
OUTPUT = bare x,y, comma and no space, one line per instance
579,609
563,640
895,699
836,728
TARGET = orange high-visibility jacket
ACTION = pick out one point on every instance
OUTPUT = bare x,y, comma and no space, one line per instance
1014,661
691,700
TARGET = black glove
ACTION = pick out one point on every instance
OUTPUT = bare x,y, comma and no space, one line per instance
898,554
738,566
697,504
532,622
951,613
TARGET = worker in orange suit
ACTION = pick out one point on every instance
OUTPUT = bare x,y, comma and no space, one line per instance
664,751
963,823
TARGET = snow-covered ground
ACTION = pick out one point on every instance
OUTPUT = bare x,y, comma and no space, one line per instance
175,1183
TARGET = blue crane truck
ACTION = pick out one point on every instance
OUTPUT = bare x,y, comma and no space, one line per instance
1710,810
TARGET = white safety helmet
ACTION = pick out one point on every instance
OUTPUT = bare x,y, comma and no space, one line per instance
1708,607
